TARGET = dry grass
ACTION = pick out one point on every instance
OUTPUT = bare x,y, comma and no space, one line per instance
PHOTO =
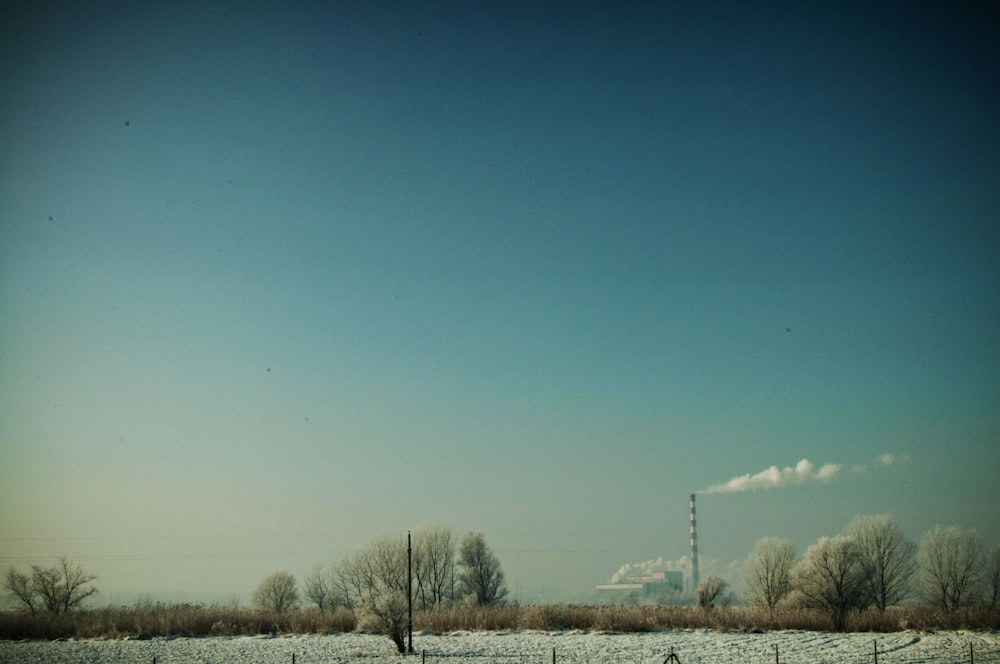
171,620
196,620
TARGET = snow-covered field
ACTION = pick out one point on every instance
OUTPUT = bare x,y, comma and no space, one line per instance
690,646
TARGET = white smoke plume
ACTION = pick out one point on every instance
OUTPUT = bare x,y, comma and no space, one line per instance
773,478
882,460
804,471
708,566
660,564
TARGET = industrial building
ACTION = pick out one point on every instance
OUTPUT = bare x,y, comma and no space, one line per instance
657,586
646,587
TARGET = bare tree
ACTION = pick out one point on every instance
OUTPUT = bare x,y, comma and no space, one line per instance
710,590
346,588
21,587
62,587
993,577
952,565
47,585
318,588
481,578
434,566
277,593
830,578
887,558
767,574
373,581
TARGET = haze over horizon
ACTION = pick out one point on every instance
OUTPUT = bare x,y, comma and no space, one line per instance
280,278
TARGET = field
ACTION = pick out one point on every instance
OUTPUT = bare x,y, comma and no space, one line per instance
696,646
508,634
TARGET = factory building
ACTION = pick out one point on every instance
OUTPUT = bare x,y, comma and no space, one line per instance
656,586
647,587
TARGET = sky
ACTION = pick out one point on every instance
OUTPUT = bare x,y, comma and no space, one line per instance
277,279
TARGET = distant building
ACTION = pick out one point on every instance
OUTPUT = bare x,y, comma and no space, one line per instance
655,586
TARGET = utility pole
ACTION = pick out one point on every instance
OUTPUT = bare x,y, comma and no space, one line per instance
409,587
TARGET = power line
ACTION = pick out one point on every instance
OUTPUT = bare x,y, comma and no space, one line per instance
152,557
113,538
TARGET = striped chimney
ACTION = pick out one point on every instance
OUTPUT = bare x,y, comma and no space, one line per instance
694,549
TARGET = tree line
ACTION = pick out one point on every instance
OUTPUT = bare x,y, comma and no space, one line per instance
376,583
873,565
380,581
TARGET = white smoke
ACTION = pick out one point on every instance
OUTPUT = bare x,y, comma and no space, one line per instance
888,459
661,564
773,478
708,567
804,471
883,460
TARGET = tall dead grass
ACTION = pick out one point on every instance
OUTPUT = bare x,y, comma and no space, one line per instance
197,620
171,620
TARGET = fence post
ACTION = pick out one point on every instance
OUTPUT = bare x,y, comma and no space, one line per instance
553,656
875,645
293,658
423,655
972,660
775,653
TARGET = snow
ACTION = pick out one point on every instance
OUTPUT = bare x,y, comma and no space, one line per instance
690,646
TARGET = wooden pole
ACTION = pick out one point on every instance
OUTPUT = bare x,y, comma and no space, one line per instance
409,586
553,656
775,653
875,645
972,659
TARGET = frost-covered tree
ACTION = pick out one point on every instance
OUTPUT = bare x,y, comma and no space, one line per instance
767,574
277,593
887,558
481,578
374,582
318,588
830,577
386,613
952,565
710,590
434,566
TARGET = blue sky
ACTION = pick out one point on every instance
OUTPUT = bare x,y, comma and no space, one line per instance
275,280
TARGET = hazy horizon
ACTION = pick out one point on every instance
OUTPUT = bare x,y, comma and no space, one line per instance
280,278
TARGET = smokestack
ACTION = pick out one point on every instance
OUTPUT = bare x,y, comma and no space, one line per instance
694,550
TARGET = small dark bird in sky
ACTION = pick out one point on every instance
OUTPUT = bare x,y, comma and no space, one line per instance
269,370
788,329
127,123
